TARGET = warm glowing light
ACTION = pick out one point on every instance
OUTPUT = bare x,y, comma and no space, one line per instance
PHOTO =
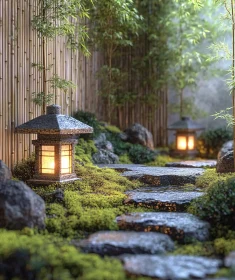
66,159
184,142
181,142
48,160
191,142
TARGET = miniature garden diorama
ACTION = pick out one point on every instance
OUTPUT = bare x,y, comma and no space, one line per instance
97,202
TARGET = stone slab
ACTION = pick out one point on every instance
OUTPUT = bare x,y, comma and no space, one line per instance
183,227
171,267
162,198
115,243
158,176
193,163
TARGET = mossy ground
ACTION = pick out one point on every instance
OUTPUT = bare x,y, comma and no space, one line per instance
89,205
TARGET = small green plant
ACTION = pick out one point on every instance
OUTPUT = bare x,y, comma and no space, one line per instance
25,169
141,154
210,141
91,120
217,205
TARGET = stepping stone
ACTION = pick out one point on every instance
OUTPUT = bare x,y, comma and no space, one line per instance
169,199
171,267
115,243
158,176
193,163
183,227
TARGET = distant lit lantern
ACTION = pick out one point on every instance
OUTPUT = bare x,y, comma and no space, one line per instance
186,137
54,148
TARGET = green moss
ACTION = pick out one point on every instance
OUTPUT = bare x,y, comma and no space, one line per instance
84,151
47,257
224,246
197,249
90,204
160,160
125,159
210,177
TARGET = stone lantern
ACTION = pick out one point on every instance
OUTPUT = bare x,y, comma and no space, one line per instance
186,137
54,147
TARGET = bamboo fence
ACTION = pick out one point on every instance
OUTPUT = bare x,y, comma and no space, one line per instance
19,48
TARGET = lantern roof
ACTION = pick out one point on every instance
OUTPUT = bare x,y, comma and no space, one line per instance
186,123
54,123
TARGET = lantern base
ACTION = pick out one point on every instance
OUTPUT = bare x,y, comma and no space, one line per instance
46,182
184,154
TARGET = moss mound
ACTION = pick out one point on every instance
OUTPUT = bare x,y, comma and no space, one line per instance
46,257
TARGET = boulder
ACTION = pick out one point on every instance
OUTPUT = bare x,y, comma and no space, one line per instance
102,143
227,147
5,173
20,206
105,157
226,163
138,134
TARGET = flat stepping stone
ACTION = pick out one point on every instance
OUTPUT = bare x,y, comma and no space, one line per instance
193,163
113,243
171,267
183,227
162,198
158,176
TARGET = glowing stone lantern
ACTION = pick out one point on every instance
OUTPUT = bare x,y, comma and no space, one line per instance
186,137
54,148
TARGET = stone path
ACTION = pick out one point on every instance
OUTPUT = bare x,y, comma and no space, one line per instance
145,240
179,226
171,267
162,198
193,163
158,176
115,243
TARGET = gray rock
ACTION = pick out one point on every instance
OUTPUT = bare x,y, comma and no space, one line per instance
20,206
227,147
102,143
115,243
193,163
226,163
229,261
138,134
5,173
159,176
162,198
105,157
171,267
179,226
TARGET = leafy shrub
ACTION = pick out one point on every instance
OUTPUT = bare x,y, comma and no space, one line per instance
25,169
141,154
210,141
46,257
91,120
217,205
